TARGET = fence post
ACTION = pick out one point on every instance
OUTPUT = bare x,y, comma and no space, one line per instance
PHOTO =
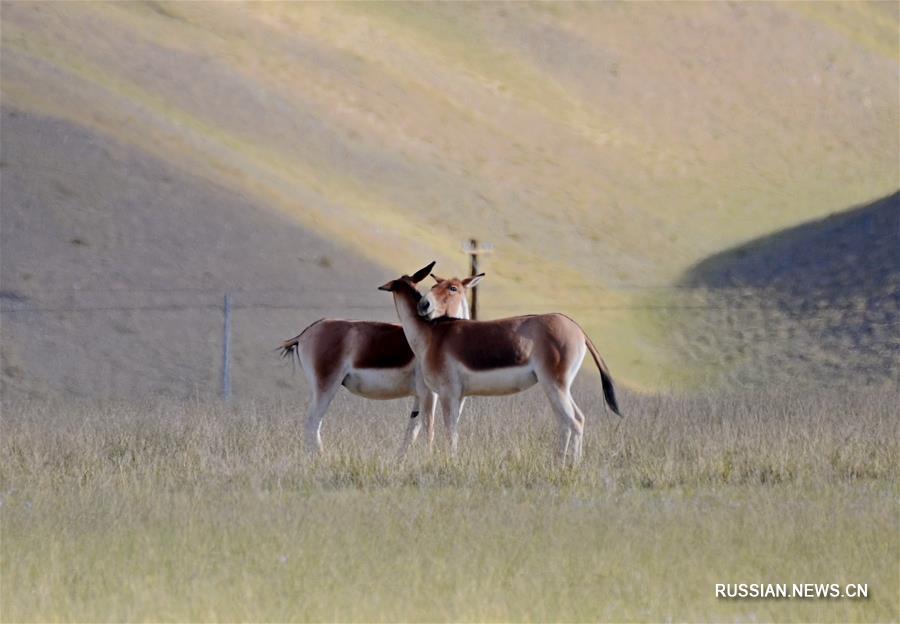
473,270
474,251
226,350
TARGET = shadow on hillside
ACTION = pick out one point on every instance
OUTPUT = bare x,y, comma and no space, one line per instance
818,302
849,254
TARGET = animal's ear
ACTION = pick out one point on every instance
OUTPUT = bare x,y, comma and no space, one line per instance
388,287
422,273
471,282
437,279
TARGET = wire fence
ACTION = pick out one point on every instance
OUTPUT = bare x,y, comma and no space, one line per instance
677,298
286,311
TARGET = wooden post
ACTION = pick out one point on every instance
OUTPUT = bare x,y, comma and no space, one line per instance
473,271
474,251
226,350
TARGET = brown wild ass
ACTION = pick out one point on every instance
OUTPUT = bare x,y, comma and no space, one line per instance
460,358
372,360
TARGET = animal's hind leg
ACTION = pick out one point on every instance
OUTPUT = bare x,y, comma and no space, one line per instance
569,423
564,435
579,435
321,399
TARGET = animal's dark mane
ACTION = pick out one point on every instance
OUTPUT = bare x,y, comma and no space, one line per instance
445,319
449,319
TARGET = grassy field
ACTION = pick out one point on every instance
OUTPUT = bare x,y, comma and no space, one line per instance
189,511
300,154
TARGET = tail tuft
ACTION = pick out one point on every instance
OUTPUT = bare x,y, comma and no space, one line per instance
609,391
290,347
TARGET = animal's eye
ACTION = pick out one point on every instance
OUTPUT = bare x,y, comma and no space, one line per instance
453,289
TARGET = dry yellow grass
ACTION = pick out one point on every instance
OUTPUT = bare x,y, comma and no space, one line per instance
174,511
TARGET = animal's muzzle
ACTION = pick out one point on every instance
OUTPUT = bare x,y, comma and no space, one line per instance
424,307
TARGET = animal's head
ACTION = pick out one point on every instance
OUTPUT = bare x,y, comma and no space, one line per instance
406,284
448,297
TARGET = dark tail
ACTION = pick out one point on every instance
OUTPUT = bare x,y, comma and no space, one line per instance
288,348
609,391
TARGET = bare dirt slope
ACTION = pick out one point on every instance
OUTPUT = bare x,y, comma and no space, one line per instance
114,266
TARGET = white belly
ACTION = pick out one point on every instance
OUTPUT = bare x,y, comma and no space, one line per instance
498,381
381,383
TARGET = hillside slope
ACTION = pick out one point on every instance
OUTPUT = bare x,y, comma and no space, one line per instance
603,148
115,264
820,301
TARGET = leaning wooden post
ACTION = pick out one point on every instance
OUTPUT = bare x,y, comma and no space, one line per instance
474,251
226,350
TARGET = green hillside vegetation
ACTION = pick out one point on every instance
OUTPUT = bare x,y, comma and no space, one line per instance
603,148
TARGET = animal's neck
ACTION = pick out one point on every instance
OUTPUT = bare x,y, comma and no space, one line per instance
415,328
463,309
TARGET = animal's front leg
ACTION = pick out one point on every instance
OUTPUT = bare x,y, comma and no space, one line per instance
450,407
412,428
428,409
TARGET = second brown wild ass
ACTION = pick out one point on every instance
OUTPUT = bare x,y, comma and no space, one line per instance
459,358
372,360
